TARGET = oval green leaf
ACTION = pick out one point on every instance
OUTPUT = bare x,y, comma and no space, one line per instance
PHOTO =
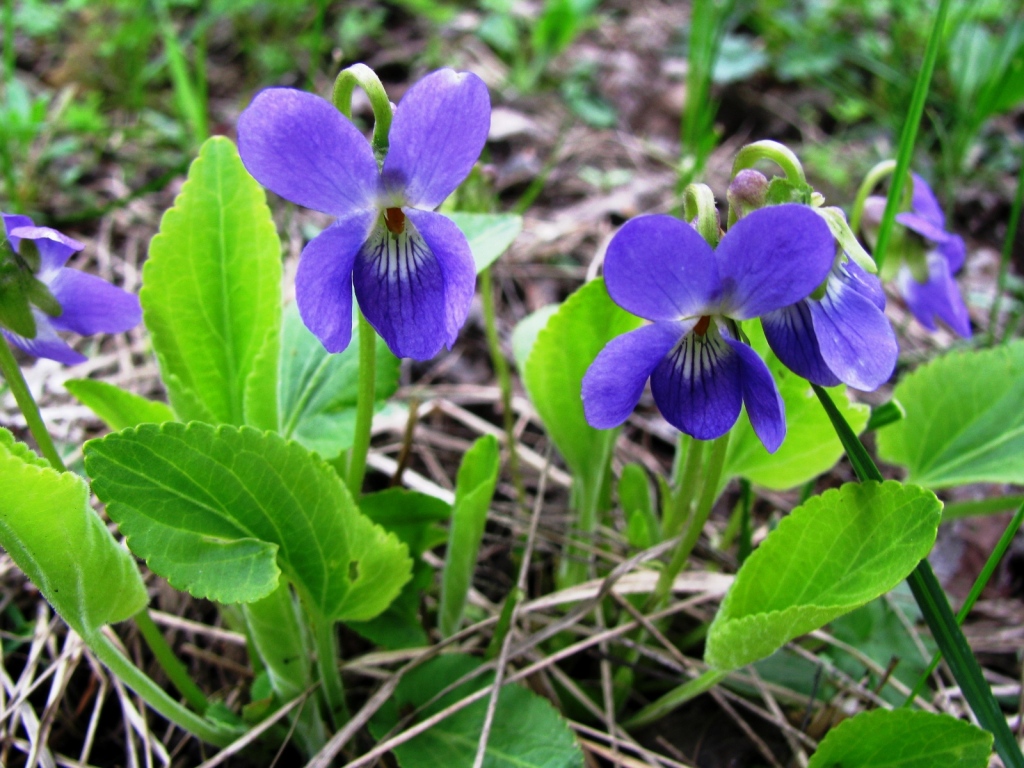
118,408
489,234
831,555
903,738
217,510
211,294
62,545
964,419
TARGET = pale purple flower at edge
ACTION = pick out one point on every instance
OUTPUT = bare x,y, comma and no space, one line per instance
939,296
88,303
659,268
411,268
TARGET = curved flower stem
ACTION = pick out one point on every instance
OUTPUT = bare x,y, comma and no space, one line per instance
871,180
779,154
365,78
27,404
712,477
364,407
154,695
170,663
699,204
504,382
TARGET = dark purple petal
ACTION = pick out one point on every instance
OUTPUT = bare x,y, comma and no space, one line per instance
54,248
939,297
790,334
854,337
414,297
458,270
302,148
866,284
615,380
323,283
92,305
46,343
765,408
439,130
659,268
698,386
771,258
924,203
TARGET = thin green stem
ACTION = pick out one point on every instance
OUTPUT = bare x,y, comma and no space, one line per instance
778,153
170,663
16,381
909,135
366,78
112,658
326,640
501,370
1007,254
677,511
675,698
709,492
364,407
958,509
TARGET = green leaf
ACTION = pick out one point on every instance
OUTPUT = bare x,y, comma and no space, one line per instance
524,335
414,518
318,390
964,420
219,510
527,732
118,408
211,295
903,738
635,499
61,544
811,446
489,234
554,372
832,554
474,488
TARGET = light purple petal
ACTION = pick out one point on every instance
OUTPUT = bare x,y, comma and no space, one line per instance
867,285
615,380
698,387
92,305
323,283
46,343
415,297
659,268
923,226
925,203
439,130
771,258
458,270
54,248
302,148
11,222
939,297
855,337
790,334
954,251
765,408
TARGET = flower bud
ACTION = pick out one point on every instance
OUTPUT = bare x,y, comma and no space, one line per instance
747,192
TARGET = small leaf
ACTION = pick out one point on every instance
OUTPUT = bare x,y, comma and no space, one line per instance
636,502
489,234
527,732
118,408
524,335
62,545
218,510
474,488
964,420
903,738
318,390
832,554
811,446
211,295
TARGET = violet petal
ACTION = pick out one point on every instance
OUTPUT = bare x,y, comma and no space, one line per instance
302,148
323,283
697,385
54,248
90,304
938,297
790,334
771,258
439,130
46,343
765,408
615,380
659,268
925,203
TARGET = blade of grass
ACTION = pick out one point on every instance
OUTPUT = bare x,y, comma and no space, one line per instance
935,608
908,137
187,94
1004,260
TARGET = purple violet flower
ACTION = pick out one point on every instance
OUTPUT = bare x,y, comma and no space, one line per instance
843,336
939,296
701,373
88,303
412,269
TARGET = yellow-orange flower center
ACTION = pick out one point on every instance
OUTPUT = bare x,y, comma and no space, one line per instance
394,220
